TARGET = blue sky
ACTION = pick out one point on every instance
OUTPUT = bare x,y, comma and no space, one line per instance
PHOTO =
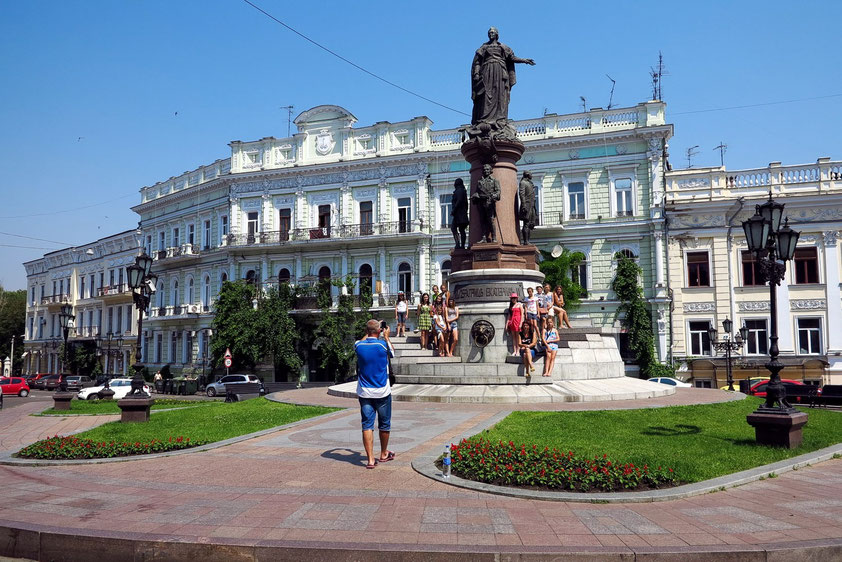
116,72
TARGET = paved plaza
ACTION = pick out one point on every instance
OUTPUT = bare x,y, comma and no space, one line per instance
306,488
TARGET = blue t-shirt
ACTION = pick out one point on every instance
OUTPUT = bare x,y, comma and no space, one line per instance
373,361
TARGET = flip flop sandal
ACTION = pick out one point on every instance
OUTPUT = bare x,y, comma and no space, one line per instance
389,457
371,466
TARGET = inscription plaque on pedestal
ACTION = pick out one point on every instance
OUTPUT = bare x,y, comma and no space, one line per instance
486,292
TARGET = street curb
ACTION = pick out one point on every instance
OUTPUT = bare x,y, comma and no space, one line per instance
7,459
425,466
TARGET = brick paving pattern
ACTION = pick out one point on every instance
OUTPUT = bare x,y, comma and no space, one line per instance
306,486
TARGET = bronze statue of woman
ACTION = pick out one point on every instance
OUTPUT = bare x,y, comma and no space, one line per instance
492,78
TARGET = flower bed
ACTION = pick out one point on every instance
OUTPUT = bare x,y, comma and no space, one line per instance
508,464
70,447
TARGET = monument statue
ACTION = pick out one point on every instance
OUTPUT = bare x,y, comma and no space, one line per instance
527,213
492,78
485,198
459,213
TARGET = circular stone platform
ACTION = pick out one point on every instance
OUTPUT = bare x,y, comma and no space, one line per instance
558,391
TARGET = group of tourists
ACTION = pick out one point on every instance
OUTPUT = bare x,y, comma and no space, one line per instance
532,325
437,317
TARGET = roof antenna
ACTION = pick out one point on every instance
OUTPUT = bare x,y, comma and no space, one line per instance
611,97
657,75
691,152
584,104
722,148
289,116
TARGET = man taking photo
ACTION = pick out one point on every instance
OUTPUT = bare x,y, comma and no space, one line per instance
373,389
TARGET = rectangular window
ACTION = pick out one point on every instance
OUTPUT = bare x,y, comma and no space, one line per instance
623,197
809,336
81,288
119,325
757,342
110,277
148,244
750,271
404,214
191,234
175,237
251,224
159,347
120,277
699,338
223,227
110,320
576,200
206,242
128,318
173,346
446,207
188,347
704,383
698,269
579,274
322,229
162,236
806,265
91,322
284,223
366,218
61,287
92,288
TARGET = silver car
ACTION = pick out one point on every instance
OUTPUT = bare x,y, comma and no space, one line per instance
218,387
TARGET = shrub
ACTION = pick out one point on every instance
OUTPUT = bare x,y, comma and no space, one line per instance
70,447
522,465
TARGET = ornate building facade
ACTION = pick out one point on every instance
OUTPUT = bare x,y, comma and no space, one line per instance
713,276
374,203
92,279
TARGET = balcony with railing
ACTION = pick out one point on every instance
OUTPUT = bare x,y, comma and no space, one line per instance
556,219
713,183
341,232
177,251
56,299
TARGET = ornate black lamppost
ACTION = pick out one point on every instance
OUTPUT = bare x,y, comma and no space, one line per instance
65,317
106,393
776,422
142,283
728,344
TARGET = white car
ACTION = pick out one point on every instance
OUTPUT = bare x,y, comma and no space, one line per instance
121,387
671,381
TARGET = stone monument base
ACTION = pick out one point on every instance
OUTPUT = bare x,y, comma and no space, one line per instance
778,428
135,409
61,400
493,255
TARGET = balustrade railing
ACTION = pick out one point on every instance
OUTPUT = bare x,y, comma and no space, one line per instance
56,299
771,177
320,233
113,290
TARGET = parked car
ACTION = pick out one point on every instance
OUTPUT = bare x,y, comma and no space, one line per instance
75,383
671,381
37,381
751,382
14,385
121,387
53,381
218,387
759,388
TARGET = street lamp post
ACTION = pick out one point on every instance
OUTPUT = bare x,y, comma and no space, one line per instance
142,283
728,344
776,422
64,318
62,398
106,393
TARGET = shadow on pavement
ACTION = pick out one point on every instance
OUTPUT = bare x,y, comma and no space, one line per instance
345,455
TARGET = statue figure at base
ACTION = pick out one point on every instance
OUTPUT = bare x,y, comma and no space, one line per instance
485,198
527,213
459,213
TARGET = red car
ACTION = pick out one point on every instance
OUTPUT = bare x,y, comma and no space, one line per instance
14,385
759,388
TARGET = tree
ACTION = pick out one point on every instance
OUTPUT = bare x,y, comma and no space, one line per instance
12,324
236,326
636,316
335,340
557,271
279,330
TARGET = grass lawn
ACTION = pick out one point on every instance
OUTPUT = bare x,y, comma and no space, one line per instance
214,421
103,407
698,442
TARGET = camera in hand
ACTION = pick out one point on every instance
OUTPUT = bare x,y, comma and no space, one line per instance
383,325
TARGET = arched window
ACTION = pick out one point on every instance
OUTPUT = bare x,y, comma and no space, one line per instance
223,278
405,278
324,273
283,275
206,288
366,277
189,298
251,277
161,299
174,299
445,270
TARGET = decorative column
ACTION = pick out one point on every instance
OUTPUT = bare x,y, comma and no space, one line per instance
344,269
381,273
421,197
234,216
298,273
834,298
300,207
266,211
659,259
423,259
383,200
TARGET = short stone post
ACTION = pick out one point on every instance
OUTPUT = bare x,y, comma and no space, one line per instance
135,409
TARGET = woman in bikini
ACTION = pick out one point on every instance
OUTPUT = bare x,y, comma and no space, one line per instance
551,344
558,306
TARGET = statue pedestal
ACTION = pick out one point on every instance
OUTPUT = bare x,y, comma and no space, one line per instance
483,294
61,400
135,409
778,428
490,255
